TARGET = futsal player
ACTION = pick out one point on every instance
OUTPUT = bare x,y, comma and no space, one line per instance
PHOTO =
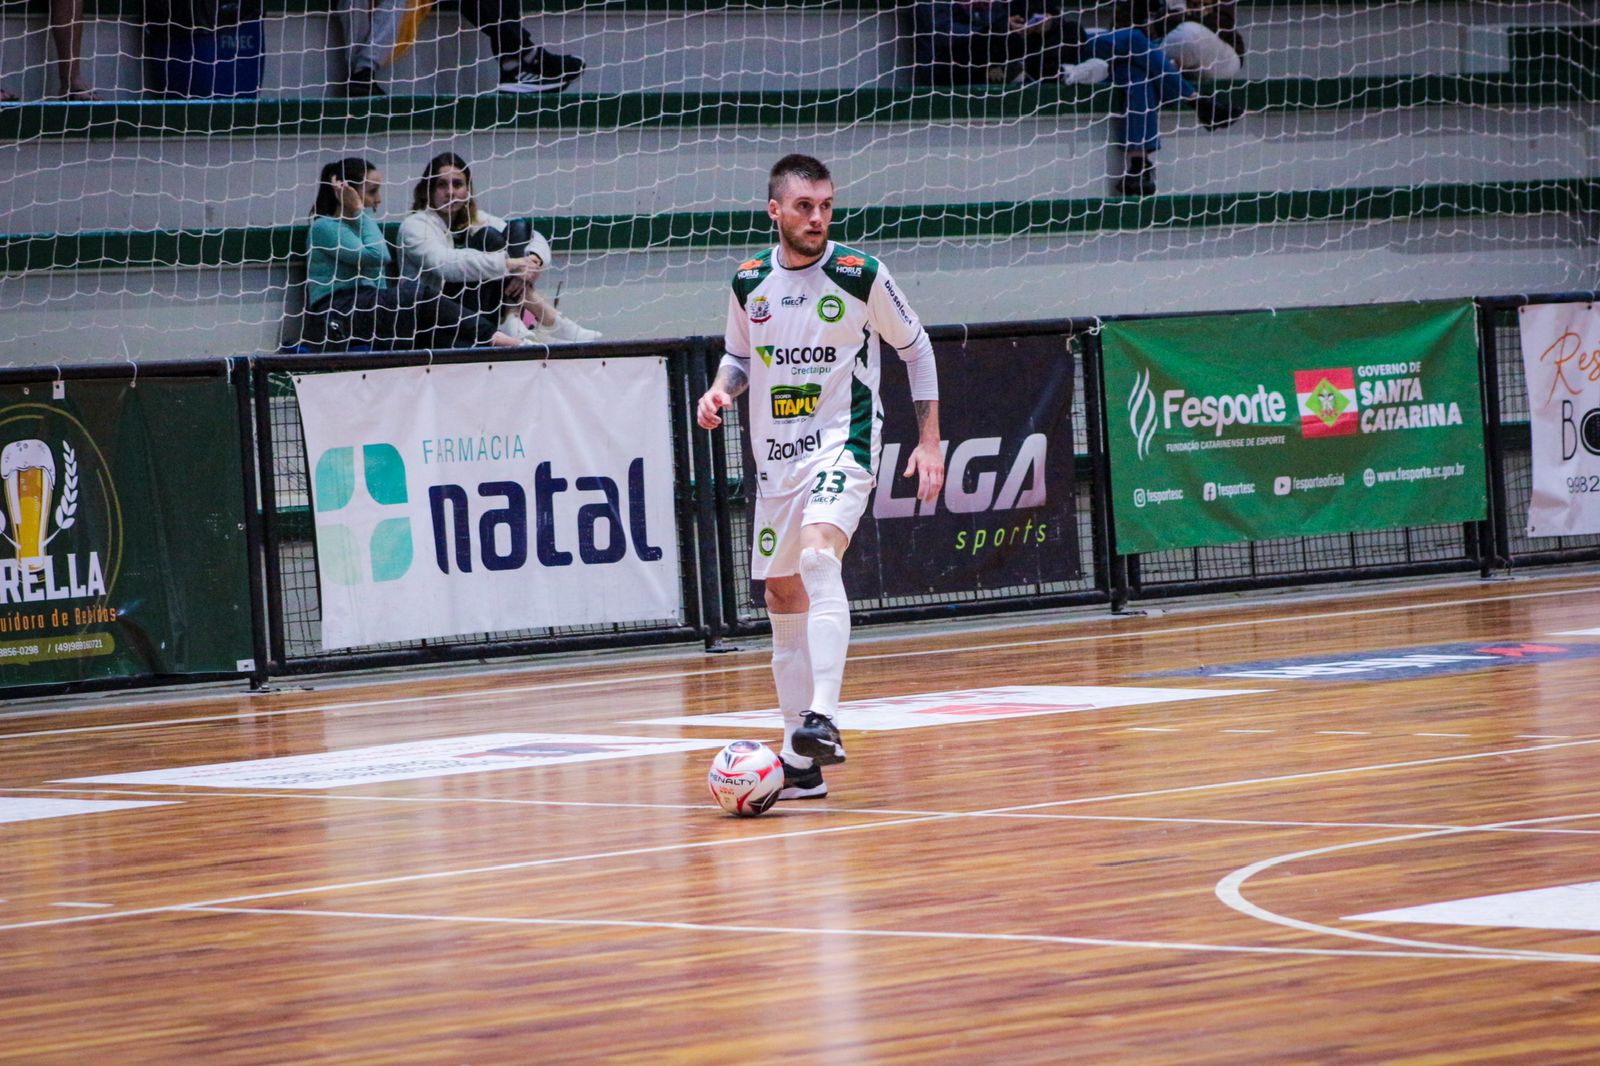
806,321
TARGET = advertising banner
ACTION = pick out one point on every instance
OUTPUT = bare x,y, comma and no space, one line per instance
477,498
1007,515
1561,356
1227,428
122,537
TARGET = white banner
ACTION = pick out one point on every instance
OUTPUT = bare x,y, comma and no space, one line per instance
475,498
1561,356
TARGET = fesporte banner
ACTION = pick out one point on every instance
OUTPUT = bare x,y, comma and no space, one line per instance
487,497
1226,428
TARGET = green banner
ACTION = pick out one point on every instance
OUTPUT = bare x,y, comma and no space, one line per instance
1228,428
122,544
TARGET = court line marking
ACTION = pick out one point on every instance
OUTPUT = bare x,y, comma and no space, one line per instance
904,934
1230,890
496,692
812,809
858,827
1492,753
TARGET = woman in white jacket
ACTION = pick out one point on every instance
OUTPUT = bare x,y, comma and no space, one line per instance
486,264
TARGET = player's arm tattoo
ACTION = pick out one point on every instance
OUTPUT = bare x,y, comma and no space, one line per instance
925,410
731,380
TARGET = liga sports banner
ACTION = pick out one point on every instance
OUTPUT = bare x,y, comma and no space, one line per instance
1561,357
479,498
1007,516
122,536
1226,428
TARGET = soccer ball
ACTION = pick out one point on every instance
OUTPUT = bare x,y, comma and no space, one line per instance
745,778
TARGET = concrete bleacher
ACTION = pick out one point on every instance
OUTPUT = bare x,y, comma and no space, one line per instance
1450,157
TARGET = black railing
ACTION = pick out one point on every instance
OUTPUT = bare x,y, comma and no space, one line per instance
712,509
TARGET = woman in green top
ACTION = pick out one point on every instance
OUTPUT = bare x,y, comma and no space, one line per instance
349,297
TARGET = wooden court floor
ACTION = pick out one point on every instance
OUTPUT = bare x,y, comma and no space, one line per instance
1383,846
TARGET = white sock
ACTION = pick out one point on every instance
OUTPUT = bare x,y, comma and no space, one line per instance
828,630
791,671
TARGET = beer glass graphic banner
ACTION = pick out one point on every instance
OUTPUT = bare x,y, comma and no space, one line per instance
1561,355
1228,428
122,545
481,498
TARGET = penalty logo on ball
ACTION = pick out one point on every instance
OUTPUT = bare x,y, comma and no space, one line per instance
745,778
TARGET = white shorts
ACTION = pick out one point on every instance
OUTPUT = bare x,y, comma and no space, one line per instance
837,496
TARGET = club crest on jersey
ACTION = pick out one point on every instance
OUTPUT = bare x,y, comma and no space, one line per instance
760,310
830,308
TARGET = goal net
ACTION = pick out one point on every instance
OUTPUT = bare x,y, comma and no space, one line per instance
1371,150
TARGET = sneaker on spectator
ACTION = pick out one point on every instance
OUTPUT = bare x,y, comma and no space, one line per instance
1089,72
1138,180
538,71
1214,112
362,84
801,784
565,331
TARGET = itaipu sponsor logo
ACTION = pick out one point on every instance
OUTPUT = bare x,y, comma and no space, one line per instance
368,535
792,402
60,523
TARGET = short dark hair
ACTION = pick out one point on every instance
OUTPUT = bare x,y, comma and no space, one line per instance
795,166
351,170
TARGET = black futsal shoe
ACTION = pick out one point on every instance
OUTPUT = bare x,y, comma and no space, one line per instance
801,784
818,738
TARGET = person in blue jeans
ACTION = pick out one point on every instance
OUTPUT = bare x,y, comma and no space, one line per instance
1149,81
963,42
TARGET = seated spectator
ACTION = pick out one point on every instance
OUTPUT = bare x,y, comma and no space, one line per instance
973,41
471,256
1201,37
349,300
1148,81
379,31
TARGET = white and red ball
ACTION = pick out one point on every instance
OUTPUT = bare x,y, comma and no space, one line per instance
745,778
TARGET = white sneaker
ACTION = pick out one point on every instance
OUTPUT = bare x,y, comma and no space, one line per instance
513,326
565,331
1089,72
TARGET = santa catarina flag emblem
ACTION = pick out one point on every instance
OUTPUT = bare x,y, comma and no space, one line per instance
1327,398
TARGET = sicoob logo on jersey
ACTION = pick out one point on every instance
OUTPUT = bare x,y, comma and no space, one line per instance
760,310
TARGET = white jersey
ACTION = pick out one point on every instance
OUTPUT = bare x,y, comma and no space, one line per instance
811,337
